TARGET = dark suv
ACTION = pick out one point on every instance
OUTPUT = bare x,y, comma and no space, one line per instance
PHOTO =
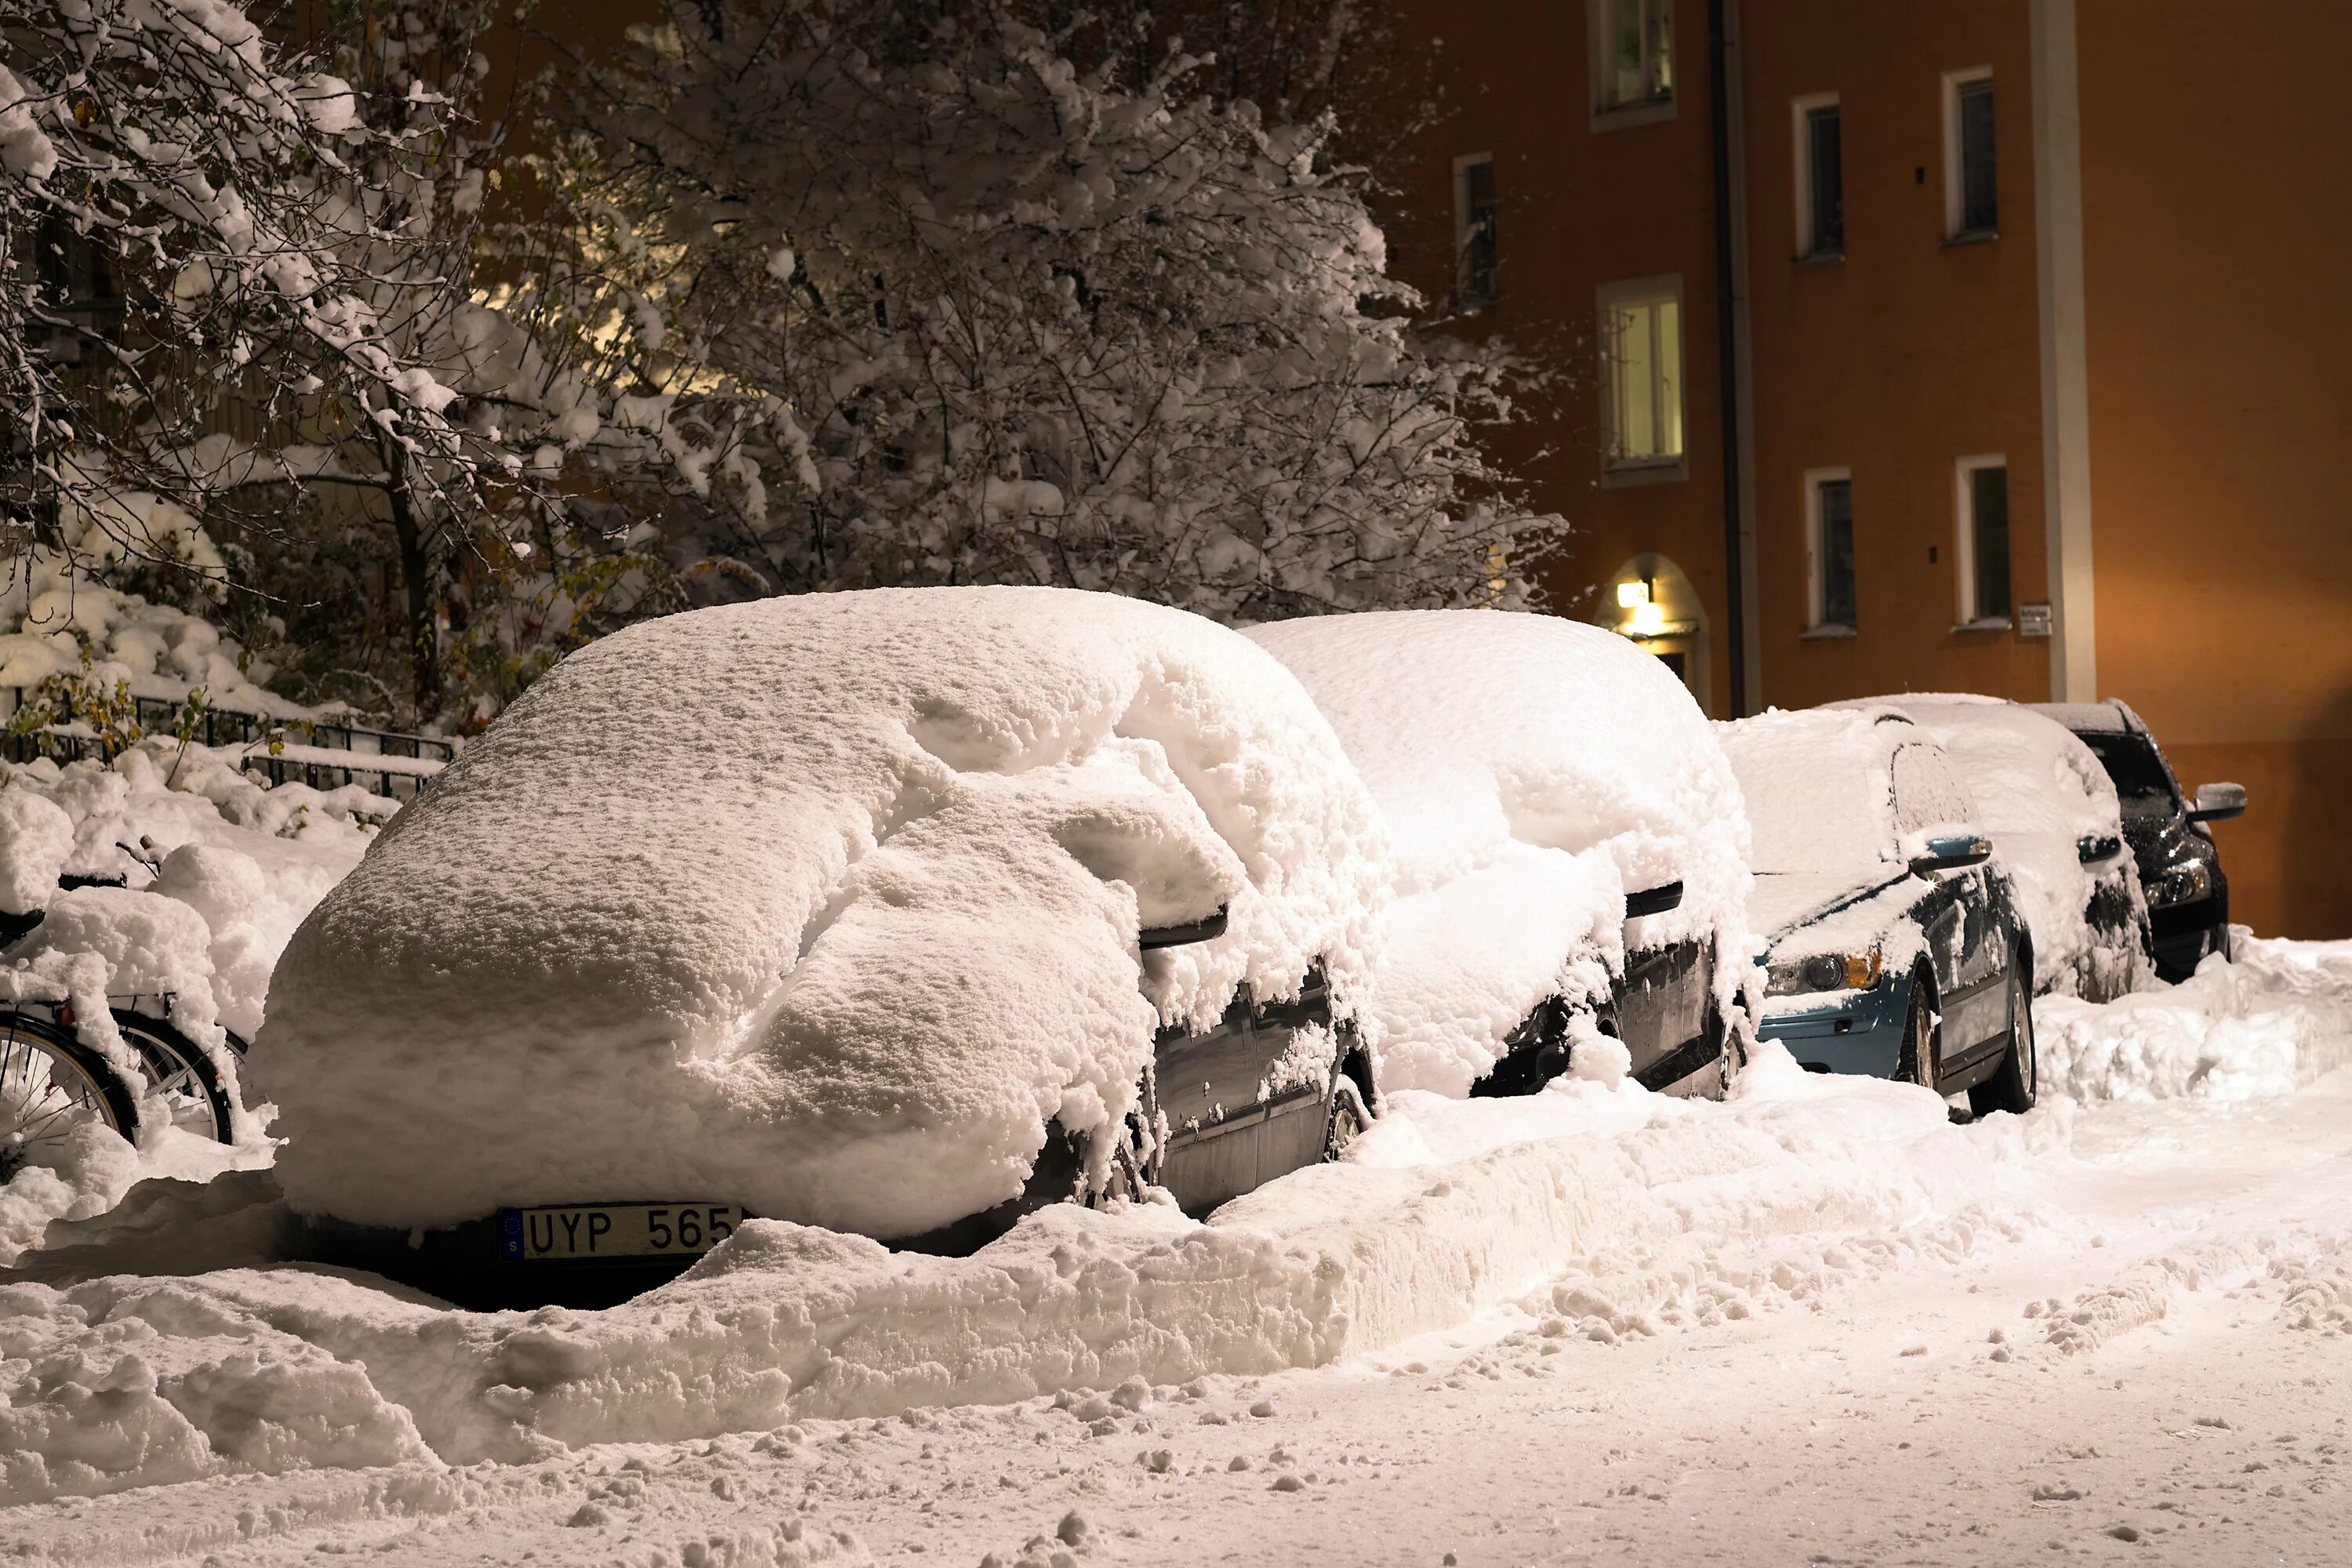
2187,896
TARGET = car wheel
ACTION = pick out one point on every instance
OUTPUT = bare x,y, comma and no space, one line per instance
1347,1120
1922,1034
2014,1087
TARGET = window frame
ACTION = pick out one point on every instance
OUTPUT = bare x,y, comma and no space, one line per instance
1608,114
1802,111
1462,163
1964,519
1956,229
1816,557
1609,299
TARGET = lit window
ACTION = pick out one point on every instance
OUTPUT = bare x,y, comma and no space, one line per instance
1636,46
1984,540
1829,548
1473,221
1972,193
1642,371
1820,178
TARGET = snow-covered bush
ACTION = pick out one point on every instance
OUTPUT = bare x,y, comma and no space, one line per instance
837,936
912,298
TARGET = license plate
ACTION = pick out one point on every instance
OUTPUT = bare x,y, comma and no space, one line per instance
583,1233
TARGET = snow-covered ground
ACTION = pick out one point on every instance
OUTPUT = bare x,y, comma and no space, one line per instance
1819,1322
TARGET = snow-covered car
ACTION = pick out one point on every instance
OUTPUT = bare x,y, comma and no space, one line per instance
1569,844
899,912
2179,864
2058,828
1895,946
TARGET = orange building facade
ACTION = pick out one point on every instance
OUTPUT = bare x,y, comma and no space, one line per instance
1993,347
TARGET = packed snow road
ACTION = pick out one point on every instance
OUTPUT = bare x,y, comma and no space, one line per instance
1819,1322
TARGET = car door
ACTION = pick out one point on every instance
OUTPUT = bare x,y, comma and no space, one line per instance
1965,937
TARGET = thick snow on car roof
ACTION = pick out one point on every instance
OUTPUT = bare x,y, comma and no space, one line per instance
1532,769
2039,790
819,905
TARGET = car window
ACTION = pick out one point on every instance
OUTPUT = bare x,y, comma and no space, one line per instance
2142,780
1928,793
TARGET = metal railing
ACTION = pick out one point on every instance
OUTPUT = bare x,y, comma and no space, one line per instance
280,751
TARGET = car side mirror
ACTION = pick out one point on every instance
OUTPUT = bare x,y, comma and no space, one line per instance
2219,802
1956,853
1654,900
1206,930
2094,848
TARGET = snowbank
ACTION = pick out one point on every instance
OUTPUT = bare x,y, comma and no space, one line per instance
1608,1213
1532,771
2274,1020
822,905
2038,791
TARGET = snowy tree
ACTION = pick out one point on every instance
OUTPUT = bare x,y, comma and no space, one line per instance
244,282
915,298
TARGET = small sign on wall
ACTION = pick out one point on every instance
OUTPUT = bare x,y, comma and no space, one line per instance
2034,620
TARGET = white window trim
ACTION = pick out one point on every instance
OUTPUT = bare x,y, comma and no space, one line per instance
1963,518
1607,116
1607,299
1953,82
1815,563
1463,164
1799,110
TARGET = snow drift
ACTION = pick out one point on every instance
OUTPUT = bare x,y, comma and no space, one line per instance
1532,771
823,905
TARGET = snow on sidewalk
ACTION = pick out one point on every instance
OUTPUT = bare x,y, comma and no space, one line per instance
1602,1215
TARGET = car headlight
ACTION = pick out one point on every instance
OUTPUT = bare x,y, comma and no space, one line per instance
2184,884
1824,972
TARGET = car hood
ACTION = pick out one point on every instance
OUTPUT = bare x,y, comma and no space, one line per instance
1782,903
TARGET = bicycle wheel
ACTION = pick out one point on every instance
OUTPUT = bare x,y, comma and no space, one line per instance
50,1086
181,1071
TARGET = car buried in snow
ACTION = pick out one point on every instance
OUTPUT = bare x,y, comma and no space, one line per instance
1567,842
1893,943
2179,864
2050,807
901,912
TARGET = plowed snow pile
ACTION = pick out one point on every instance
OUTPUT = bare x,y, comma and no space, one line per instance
826,904
1532,770
1617,1211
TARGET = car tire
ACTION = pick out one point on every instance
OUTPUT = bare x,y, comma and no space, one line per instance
1922,1034
2013,1087
1347,1120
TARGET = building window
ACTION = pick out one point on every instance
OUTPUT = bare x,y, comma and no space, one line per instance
1473,227
1829,548
1633,54
1820,178
1642,372
1984,541
1971,193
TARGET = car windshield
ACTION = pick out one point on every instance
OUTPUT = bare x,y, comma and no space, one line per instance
2141,778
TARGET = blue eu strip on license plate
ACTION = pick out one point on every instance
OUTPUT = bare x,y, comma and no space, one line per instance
587,1232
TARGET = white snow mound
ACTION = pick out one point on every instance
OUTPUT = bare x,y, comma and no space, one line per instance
822,905
1532,770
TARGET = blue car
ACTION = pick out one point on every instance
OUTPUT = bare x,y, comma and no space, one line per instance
1893,943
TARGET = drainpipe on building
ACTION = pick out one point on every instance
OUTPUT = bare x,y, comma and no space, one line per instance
1726,338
